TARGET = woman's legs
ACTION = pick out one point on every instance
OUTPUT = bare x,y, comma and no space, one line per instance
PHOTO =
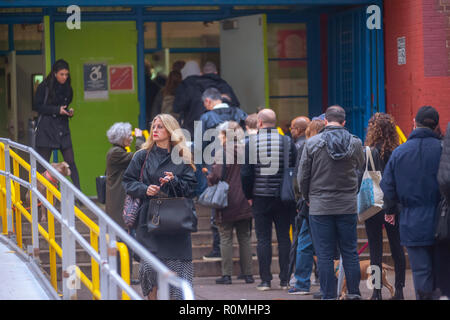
45,153
69,157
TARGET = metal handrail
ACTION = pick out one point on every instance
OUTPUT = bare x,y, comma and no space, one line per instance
103,246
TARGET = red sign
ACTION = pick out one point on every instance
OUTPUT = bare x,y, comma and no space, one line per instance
121,78
292,45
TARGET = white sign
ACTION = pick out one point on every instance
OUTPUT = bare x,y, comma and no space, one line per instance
401,47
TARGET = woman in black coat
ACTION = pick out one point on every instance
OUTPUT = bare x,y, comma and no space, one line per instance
52,100
159,171
382,138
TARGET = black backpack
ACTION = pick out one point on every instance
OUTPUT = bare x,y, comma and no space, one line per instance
442,234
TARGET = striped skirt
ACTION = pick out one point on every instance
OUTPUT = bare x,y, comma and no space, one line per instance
148,277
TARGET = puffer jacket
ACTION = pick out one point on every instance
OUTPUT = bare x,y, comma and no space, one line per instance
188,97
444,167
262,173
163,246
330,167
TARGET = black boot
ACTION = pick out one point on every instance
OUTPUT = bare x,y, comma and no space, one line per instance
398,295
376,295
224,280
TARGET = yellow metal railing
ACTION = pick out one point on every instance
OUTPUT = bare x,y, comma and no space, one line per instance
49,235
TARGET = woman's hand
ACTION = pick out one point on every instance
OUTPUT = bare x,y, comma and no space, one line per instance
70,112
390,218
137,132
152,190
168,176
63,111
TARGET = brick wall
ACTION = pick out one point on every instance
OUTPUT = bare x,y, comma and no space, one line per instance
425,78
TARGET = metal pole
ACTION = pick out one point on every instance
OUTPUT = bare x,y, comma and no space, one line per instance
112,261
70,281
103,246
9,215
34,208
163,287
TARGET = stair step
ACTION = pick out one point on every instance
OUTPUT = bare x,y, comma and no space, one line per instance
204,268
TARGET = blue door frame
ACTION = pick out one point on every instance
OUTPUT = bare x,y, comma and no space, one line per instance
356,68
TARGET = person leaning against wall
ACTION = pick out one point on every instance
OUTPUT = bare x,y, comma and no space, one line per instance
161,175
117,161
52,100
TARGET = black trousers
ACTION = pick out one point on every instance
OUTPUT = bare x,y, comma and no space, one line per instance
268,210
374,231
68,156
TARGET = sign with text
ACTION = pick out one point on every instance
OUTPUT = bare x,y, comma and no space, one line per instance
95,81
121,78
401,47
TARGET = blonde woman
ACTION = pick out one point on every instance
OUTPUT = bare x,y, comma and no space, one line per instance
159,160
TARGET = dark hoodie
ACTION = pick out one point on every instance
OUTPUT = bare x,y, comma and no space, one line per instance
329,171
188,97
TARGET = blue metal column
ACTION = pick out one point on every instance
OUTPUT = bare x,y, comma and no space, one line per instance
314,66
141,67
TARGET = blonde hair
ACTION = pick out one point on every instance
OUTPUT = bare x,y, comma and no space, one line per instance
177,138
314,128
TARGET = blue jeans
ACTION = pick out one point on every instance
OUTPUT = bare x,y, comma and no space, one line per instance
305,259
327,231
202,182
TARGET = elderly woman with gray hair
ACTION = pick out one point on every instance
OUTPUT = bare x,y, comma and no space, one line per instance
117,160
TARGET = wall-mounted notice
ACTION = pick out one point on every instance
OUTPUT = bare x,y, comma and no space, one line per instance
401,47
95,81
121,78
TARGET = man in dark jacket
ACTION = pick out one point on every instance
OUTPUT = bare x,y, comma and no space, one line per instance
443,248
329,171
298,128
262,175
410,178
218,112
188,97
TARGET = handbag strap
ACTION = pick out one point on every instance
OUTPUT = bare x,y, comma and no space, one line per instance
369,157
143,166
285,152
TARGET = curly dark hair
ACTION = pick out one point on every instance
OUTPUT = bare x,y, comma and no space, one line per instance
382,133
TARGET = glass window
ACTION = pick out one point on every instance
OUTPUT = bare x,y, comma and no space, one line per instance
158,65
288,109
150,35
190,34
27,37
286,40
288,78
4,37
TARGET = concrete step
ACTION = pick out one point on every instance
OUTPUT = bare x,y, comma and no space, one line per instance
79,226
199,251
43,244
387,258
204,268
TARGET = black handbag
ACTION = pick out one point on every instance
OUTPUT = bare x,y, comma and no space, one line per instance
287,194
443,222
100,183
171,215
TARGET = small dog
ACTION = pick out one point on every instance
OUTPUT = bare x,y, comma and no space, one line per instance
365,272
64,169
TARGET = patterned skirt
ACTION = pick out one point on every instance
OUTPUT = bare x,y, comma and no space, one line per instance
148,277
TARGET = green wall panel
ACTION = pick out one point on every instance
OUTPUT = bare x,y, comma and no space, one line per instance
113,43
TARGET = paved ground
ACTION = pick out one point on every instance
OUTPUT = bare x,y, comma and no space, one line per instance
207,289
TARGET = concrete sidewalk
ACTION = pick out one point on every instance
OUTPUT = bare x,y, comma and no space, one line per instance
207,289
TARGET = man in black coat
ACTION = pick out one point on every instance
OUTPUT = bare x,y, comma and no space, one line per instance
262,176
188,97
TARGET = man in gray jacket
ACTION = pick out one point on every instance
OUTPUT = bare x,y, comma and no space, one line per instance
329,183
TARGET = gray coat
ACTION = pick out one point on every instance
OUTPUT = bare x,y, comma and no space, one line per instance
117,161
329,171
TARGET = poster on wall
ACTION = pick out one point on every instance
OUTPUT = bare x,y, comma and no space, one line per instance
121,78
291,45
95,81
401,50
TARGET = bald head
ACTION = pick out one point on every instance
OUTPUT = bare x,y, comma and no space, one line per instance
298,126
267,118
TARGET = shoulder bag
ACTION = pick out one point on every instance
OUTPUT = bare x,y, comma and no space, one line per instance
100,183
443,222
287,194
131,204
171,215
370,196
216,196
